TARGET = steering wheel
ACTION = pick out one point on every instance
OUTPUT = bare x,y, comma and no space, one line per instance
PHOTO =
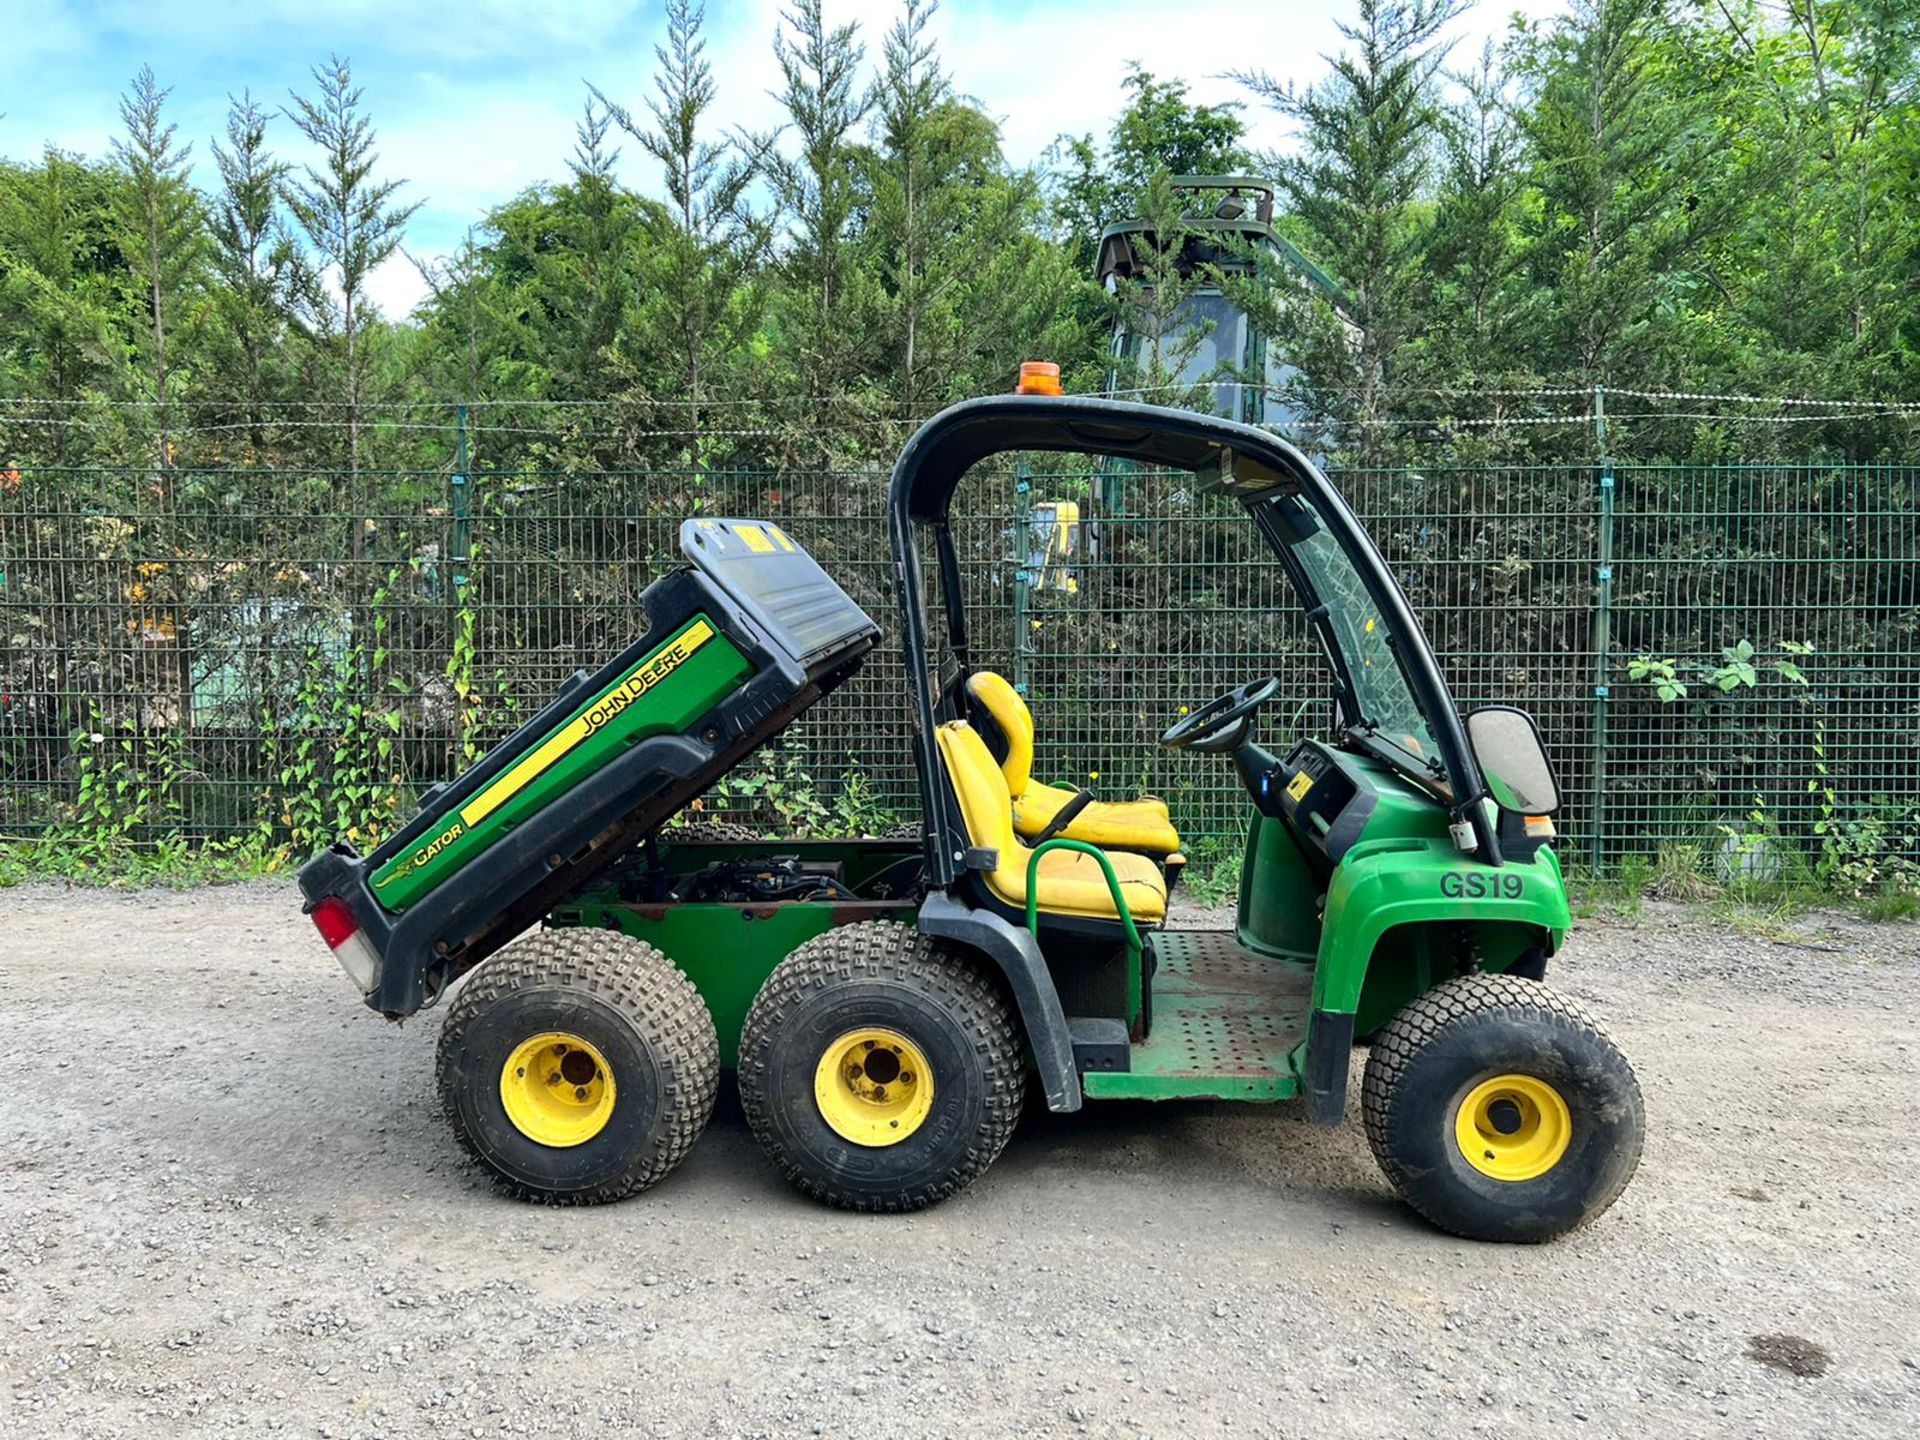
1221,724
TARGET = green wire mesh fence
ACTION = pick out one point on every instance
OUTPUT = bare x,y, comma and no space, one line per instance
1725,660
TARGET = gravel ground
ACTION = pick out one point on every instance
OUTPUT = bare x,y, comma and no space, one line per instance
229,1205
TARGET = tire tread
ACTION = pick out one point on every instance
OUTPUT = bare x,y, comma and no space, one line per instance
1421,1020
889,950
647,990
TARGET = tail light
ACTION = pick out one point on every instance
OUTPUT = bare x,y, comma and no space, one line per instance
341,930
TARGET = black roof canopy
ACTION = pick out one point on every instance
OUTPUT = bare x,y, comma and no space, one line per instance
944,449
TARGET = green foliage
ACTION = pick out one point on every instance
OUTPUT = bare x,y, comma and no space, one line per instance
774,794
1737,670
1212,876
1633,194
329,766
122,821
122,786
168,862
346,213
260,273
352,227
1159,131
856,810
1660,675
158,226
1365,154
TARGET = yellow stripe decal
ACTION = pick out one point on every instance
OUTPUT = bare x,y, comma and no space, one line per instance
638,681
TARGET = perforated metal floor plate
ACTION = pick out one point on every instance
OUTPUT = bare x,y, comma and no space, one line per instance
1224,1020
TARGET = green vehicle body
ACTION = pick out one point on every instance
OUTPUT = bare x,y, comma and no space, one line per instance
1347,910
1403,851
1401,906
1334,933
664,692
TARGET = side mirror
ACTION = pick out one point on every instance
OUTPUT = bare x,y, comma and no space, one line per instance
1506,745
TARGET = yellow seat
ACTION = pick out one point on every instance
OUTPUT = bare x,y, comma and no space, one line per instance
1068,882
1141,824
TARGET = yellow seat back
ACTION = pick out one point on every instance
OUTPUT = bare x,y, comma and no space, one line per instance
1003,704
1068,883
982,789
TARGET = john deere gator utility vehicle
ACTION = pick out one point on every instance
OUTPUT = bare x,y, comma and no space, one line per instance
884,1002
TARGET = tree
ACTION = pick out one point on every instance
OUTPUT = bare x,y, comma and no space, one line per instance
1355,188
558,289
158,221
1624,176
818,189
700,299
604,221
351,225
1475,256
255,261
62,279
965,283
911,92
1159,129
1819,294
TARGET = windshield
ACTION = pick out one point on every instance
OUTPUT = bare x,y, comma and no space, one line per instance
1216,356
1389,717
1199,356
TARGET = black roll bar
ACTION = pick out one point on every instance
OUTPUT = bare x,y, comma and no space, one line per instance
944,449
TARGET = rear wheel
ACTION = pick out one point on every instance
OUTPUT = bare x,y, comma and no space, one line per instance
578,1066
1500,1110
880,1070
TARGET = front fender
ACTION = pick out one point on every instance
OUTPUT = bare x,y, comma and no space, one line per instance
1382,884
1385,883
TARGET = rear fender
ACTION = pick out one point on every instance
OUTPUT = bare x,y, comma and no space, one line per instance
1017,957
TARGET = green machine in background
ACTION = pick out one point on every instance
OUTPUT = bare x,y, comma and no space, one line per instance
886,1003
1213,353
1226,230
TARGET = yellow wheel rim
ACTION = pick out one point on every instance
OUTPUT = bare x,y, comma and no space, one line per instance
874,1087
1513,1127
557,1089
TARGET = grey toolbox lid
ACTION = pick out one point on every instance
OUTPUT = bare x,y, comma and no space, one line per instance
776,584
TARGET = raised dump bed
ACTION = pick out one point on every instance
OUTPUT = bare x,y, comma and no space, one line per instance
746,636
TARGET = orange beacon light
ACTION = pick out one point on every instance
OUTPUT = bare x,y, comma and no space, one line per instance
1038,377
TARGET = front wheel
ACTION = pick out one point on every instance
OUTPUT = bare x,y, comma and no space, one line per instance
1501,1111
879,1069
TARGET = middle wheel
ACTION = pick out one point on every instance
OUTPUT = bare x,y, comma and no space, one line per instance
879,1069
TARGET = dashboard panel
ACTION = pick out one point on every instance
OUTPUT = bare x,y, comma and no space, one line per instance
1326,801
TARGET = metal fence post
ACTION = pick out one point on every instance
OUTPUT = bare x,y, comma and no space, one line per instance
462,501
1022,647
1602,628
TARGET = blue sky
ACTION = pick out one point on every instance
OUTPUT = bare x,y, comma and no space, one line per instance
476,99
